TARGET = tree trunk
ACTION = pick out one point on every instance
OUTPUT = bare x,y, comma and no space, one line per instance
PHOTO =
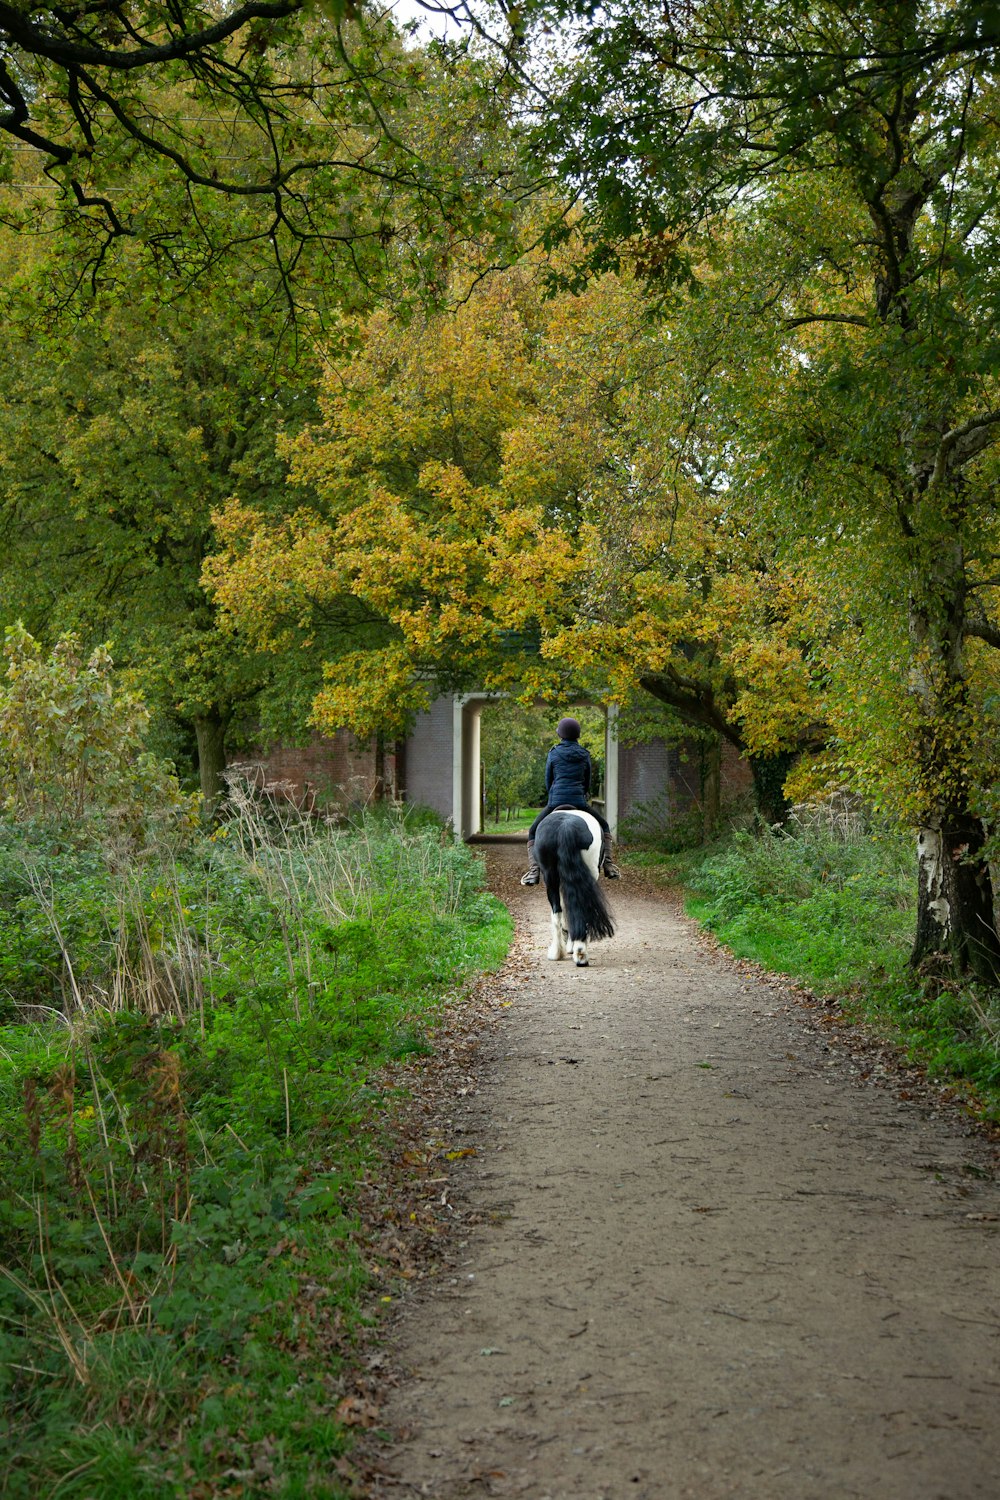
769,774
955,916
711,789
210,733
955,913
379,789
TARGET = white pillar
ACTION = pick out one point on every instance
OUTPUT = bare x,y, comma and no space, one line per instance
472,801
611,801
466,799
457,759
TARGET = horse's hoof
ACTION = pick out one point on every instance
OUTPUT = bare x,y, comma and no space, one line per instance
582,963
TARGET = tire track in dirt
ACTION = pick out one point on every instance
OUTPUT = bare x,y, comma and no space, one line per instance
710,1260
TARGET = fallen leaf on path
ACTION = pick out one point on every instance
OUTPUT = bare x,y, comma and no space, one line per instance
355,1411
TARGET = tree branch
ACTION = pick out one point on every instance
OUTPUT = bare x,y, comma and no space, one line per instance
981,629
694,703
39,42
855,318
964,442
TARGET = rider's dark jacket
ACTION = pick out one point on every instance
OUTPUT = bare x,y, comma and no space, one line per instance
567,775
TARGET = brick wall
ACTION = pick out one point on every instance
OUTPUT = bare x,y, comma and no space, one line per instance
660,783
330,771
737,779
644,781
429,764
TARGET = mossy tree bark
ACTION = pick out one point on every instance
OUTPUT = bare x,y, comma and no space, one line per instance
711,789
210,733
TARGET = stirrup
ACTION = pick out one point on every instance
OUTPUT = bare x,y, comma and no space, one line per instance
531,876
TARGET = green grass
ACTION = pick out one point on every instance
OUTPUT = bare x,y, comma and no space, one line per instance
188,1272
837,915
520,819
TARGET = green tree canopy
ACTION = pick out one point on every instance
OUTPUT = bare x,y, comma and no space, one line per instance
126,420
119,434
849,154
312,132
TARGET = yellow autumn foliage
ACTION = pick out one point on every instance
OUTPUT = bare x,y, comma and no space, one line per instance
501,488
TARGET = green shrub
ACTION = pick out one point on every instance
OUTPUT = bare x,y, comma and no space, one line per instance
73,751
836,881
654,825
180,1151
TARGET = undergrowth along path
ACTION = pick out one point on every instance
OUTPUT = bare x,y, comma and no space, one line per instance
706,1256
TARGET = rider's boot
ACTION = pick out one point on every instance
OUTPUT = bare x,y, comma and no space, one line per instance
611,870
533,874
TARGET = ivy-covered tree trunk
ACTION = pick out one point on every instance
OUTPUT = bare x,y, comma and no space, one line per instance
937,440
769,775
210,732
955,910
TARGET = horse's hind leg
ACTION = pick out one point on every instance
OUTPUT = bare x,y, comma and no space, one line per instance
580,954
557,948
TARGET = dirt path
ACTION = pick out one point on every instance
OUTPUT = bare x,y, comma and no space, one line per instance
713,1259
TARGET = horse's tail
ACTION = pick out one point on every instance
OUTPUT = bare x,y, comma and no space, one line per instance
587,913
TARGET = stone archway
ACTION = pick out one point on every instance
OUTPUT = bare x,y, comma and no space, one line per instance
467,801
651,779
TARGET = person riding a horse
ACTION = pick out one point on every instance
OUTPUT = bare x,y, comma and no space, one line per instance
567,784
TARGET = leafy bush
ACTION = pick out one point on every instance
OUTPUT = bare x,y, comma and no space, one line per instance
838,881
180,1151
655,825
73,745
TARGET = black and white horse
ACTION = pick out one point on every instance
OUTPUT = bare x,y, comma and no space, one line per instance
568,849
